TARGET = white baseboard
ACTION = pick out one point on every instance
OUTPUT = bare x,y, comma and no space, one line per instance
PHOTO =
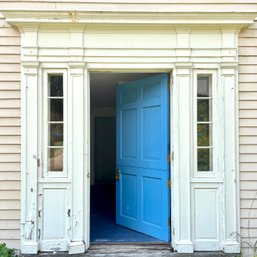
231,247
184,246
29,247
77,247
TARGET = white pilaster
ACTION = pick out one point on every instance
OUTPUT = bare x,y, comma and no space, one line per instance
76,129
182,157
87,170
231,178
29,42
183,51
76,50
29,157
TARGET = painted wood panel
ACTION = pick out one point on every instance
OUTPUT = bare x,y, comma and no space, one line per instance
9,135
54,211
203,216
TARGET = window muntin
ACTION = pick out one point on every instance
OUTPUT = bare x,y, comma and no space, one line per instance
55,123
204,123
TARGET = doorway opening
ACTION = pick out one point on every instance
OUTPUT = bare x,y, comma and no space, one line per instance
103,227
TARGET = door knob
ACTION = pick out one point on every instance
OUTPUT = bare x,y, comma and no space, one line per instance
117,176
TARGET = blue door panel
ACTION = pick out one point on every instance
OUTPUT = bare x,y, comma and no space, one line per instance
159,97
151,133
151,90
127,198
142,194
129,95
155,203
129,194
128,143
152,200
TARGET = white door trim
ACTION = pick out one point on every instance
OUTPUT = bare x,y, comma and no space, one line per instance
184,57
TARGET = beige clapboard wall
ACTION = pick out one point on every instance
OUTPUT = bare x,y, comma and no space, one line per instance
10,103
9,134
248,132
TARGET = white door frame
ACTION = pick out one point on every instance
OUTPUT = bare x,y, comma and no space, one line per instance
184,57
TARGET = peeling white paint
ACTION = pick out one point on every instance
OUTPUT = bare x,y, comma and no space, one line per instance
28,229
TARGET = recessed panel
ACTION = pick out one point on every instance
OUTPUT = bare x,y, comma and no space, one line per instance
206,219
129,133
129,95
152,200
54,214
129,195
128,39
151,91
151,133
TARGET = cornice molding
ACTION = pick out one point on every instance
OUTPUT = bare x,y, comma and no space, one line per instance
34,18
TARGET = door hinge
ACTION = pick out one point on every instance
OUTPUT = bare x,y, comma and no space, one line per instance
39,213
169,221
39,234
38,162
117,176
169,183
172,156
170,82
168,156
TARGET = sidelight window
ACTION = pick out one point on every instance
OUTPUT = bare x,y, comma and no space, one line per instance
204,123
55,123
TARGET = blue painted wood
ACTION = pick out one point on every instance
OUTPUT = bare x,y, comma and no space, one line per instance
142,193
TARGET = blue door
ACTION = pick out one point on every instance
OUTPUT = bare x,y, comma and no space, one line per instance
142,192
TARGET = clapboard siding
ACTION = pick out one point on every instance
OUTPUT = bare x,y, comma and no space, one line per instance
248,135
9,134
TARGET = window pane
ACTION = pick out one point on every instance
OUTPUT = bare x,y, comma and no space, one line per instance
56,109
56,85
204,123
55,161
56,134
203,86
204,160
204,110
204,135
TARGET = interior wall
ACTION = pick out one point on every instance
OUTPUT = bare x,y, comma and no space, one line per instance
105,150
97,112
